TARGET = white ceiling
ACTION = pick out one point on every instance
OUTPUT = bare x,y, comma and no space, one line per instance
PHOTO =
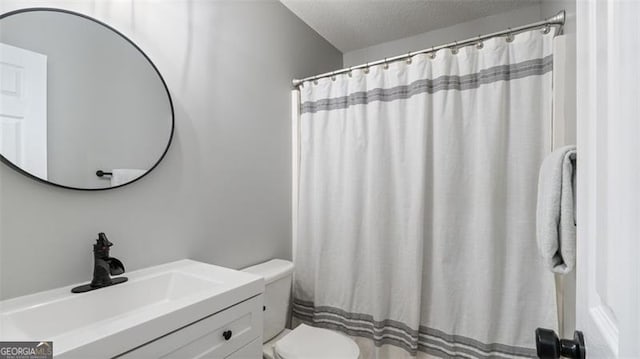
355,24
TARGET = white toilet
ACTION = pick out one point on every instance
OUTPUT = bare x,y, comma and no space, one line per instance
303,342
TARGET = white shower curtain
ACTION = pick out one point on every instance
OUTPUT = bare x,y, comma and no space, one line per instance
416,206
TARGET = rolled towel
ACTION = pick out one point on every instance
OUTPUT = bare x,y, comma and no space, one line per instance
555,215
124,175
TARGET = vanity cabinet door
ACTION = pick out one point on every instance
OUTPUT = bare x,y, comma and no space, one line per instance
223,334
252,350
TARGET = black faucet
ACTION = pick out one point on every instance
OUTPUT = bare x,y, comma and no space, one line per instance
103,267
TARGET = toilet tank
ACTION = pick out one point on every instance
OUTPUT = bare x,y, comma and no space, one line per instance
277,274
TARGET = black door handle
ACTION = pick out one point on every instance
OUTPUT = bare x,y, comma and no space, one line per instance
227,334
549,346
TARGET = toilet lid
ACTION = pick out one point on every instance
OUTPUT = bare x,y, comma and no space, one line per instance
305,342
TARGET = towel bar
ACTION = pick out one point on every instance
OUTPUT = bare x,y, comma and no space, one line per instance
101,173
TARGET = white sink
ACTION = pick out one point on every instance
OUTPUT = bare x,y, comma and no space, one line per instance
109,321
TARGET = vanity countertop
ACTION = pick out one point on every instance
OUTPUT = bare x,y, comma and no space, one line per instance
109,321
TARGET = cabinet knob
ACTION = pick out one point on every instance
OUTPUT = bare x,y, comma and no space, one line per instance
227,334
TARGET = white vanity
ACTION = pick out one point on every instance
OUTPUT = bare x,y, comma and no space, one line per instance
183,309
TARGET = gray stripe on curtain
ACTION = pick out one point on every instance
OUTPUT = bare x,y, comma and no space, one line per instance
428,340
520,70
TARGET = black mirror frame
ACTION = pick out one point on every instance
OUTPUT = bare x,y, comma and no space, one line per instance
166,88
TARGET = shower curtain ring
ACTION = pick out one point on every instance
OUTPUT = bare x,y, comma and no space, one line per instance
479,44
454,49
386,64
509,36
315,80
366,68
333,76
409,59
432,53
546,29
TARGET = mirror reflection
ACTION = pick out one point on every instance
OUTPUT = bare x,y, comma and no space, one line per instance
80,105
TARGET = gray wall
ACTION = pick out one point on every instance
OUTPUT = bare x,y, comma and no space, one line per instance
445,35
222,195
106,106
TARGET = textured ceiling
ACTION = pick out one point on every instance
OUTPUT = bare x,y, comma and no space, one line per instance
355,24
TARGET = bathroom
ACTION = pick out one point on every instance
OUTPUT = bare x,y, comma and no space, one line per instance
248,185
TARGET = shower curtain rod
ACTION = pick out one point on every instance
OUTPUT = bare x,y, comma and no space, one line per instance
556,21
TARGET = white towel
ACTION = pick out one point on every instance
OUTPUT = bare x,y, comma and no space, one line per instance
124,175
555,222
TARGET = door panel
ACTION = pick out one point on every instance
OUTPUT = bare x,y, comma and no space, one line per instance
23,108
608,177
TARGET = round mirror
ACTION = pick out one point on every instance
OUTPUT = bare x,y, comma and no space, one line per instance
81,106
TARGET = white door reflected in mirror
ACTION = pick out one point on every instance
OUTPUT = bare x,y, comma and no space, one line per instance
23,109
